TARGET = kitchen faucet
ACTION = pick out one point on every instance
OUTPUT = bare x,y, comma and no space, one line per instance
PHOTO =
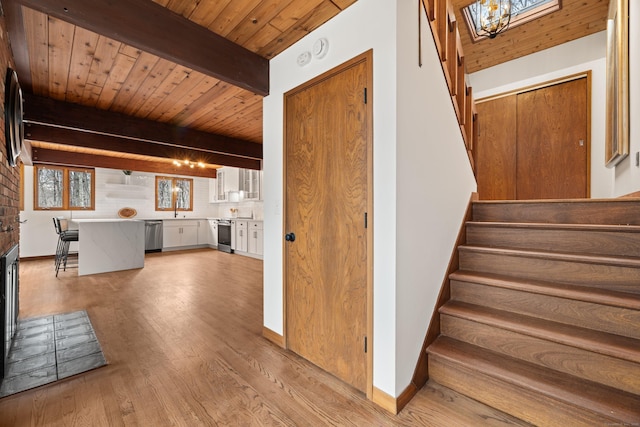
175,204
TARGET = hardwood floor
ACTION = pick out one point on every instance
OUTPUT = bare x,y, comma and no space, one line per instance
183,342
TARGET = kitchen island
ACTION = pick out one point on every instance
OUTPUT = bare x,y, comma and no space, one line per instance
109,245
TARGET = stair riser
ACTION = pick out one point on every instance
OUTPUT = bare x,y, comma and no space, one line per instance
581,363
584,212
588,242
616,320
538,409
597,275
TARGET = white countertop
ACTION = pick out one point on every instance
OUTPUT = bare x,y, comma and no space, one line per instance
88,220
177,219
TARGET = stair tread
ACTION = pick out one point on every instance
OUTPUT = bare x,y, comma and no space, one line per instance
587,339
633,262
604,400
563,290
558,226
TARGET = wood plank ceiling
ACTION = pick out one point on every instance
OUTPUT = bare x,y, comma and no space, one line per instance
152,84
58,58
575,19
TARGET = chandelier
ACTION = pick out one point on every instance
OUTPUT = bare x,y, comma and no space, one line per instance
492,17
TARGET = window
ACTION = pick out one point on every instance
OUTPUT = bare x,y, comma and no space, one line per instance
63,188
174,193
522,11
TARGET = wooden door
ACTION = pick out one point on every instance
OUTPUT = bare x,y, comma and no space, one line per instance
496,149
534,144
552,142
327,196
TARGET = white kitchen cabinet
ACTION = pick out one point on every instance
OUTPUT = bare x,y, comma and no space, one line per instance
190,235
179,233
213,230
249,184
171,237
213,191
255,238
241,241
227,184
204,234
234,184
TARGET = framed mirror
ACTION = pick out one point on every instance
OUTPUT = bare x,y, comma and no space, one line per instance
617,115
14,128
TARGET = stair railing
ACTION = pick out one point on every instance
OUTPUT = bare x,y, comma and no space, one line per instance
444,28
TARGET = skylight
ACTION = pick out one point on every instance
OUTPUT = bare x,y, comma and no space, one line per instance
522,11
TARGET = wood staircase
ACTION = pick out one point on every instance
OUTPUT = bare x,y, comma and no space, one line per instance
543,322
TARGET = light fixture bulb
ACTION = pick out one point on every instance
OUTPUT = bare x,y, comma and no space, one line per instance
492,17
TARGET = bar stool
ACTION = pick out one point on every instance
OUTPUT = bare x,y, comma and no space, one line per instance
65,237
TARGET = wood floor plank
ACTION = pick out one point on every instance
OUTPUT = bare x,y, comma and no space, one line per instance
184,346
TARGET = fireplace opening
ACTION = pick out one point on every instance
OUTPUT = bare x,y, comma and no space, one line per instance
8,302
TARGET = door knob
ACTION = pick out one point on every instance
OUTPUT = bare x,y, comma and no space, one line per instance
290,237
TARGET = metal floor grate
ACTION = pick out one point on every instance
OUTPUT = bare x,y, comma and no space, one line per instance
50,348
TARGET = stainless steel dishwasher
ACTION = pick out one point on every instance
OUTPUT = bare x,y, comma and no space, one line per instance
153,235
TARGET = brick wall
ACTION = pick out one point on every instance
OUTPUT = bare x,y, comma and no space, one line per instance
9,176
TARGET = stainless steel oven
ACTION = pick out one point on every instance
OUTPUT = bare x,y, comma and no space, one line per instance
224,236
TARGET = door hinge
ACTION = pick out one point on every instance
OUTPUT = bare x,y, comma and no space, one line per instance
366,220
365,95
365,344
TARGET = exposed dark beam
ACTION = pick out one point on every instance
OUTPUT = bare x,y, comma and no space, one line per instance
18,40
157,30
67,158
70,137
50,112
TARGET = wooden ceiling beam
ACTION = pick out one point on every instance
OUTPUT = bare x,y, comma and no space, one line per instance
153,28
50,112
47,156
76,138
15,28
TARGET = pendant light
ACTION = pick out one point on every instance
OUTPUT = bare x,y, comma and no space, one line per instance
492,17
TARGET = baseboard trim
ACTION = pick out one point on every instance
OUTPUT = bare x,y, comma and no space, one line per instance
385,401
36,258
393,404
274,337
633,195
406,396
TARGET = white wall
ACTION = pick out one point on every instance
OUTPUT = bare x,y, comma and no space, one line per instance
365,25
37,235
434,184
627,174
421,175
587,53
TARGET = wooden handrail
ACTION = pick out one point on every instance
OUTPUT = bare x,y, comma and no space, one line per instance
444,28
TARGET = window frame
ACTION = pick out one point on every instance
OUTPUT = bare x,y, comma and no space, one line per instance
66,190
174,180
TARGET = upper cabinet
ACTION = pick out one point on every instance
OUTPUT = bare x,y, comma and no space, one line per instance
234,185
250,181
